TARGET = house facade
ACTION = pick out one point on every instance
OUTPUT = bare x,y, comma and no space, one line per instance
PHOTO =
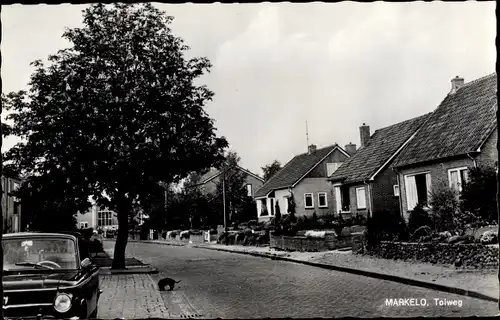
366,183
304,177
461,133
209,181
11,206
97,218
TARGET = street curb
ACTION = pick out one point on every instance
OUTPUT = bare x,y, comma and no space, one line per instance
148,270
412,282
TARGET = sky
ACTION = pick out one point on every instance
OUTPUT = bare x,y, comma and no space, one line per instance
276,66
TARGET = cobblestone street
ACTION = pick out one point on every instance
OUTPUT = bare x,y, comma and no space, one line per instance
226,285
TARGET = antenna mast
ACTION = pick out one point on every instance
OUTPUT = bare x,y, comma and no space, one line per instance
307,137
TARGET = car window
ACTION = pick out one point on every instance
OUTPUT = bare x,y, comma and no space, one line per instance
57,253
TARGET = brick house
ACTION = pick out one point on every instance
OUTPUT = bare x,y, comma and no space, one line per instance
365,183
459,134
305,176
11,206
209,180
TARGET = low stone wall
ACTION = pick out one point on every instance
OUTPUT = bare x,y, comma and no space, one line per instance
469,256
330,242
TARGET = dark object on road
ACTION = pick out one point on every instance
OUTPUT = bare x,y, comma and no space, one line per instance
44,274
167,282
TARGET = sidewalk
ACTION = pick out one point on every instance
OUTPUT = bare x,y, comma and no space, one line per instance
481,284
132,265
130,296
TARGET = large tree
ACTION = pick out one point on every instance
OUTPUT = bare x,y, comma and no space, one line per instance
271,169
117,112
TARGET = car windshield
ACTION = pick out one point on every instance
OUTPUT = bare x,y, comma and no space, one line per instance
40,253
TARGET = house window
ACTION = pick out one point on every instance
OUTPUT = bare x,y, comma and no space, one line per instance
322,201
308,200
332,167
342,199
457,177
418,187
84,225
249,190
361,198
104,218
396,190
263,208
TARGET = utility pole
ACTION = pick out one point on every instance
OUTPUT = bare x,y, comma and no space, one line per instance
307,137
224,203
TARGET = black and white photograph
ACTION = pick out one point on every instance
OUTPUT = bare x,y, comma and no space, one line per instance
249,160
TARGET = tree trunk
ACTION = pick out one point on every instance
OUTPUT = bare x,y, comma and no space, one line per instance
121,238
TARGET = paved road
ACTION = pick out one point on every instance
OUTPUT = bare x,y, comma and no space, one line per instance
227,285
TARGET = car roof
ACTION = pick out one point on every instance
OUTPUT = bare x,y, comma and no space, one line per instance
37,234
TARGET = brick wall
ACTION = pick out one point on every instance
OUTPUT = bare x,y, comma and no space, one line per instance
313,185
353,208
489,153
438,171
471,256
304,244
382,190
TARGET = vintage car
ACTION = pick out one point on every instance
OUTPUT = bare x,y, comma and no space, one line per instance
45,276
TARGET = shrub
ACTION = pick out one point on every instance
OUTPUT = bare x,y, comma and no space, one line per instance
359,219
385,226
444,204
315,234
418,218
479,194
222,237
489,237
195,232
422,233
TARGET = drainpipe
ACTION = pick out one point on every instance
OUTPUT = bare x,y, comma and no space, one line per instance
473,159
370,211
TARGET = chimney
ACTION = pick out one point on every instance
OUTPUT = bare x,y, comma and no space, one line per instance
456,83
350,148
364,134
312,148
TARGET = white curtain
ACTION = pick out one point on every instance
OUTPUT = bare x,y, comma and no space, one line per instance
338,199
361,198
428,184
411,192
454,180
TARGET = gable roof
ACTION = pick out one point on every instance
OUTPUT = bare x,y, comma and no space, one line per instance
381,147
460,125
214,173
296,169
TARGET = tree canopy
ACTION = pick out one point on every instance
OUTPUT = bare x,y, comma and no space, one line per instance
271,169
116,112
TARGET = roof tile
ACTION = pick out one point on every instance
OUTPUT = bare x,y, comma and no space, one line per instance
294,170
380,147
458,126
